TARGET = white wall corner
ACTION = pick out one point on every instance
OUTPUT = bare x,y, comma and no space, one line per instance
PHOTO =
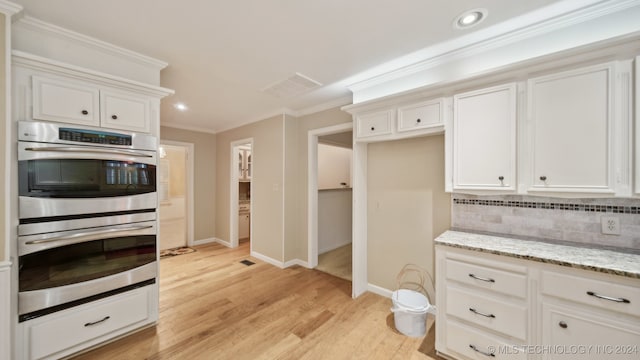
8,8
299,262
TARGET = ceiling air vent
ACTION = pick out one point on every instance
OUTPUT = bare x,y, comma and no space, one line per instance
293,86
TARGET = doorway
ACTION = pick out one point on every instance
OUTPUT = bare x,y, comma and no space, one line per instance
242,166
175,194
330,200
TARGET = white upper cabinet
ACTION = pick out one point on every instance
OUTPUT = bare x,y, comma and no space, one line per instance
571,132
63,101
420,116
404,119
484,139
374,123
123,110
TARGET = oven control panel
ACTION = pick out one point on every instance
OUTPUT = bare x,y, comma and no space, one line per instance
94,137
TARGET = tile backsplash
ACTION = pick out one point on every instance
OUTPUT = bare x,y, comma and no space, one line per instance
553,219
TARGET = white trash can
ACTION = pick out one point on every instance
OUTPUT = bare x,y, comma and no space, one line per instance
410,310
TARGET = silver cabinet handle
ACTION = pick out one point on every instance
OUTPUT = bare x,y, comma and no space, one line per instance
84,150
482,278
87,233
481,352
97,322
481,313
618,300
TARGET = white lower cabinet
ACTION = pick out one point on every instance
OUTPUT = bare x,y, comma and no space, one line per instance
552,312
69,331
569,332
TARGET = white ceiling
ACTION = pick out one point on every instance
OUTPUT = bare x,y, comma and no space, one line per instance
221,54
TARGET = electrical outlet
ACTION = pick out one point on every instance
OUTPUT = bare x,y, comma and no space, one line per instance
610,225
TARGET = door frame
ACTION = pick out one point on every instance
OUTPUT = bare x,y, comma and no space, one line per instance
312,189
233,193
189,183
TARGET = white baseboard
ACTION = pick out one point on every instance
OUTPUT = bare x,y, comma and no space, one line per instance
335,246
5,310
204,241
379,290
267,259
296,262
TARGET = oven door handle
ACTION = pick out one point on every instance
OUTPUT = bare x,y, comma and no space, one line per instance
74,236
90,150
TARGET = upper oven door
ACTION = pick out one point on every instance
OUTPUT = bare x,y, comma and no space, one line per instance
60,180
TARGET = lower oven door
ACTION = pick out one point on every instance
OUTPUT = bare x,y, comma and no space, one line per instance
63,267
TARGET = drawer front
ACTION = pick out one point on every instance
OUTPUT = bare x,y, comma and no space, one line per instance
463,340
504,317
74,328
500,281
602,294
374,124
419,116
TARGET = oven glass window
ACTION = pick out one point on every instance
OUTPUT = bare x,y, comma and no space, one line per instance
85,261
83,178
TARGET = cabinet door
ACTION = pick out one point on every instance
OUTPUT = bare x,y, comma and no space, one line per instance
126,111
576,334
484,139
243,226
420,116
373,124
248,170
571,116
62,101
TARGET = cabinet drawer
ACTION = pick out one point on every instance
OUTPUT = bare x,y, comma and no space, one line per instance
62,101
94,320
378,123
500,281
598,293
420,116
496,315
463,339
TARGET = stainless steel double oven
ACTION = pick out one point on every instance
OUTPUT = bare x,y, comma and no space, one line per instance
87,209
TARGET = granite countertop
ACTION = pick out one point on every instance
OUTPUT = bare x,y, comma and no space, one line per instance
601,260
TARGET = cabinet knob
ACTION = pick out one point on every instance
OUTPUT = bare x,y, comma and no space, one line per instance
114,117
85,112
418,120
543,178
563,324
500,178
372,128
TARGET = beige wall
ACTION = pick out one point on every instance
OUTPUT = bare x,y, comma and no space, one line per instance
3,135
205,177
177,172
407,206
296,247
267,211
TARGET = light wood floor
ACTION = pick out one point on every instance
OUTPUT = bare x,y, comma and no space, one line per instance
336,262
213,307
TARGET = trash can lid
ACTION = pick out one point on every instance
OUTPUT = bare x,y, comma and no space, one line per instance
410,300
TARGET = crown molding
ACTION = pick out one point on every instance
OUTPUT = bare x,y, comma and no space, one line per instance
8,8
41,63
460,50
339,102
174,125
87,41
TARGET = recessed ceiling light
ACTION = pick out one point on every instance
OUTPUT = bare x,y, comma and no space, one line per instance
180,106
470,18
